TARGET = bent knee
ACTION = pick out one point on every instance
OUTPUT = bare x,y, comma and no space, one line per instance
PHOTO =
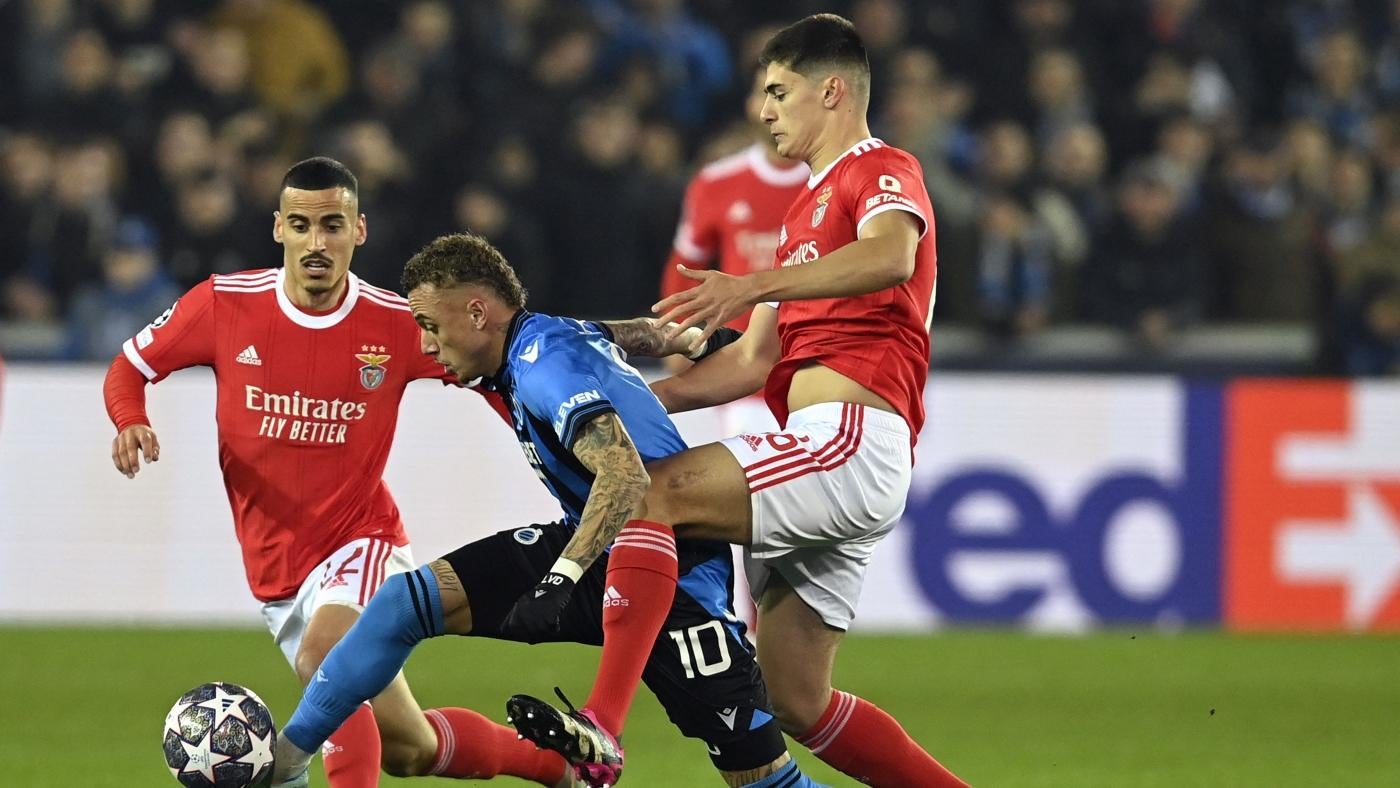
405,758
798,708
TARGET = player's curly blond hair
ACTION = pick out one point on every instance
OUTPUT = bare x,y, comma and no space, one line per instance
464,259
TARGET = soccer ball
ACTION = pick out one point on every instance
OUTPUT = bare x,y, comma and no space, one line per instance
219,735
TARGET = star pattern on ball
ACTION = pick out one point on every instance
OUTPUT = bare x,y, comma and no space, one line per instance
202,759
260,753
225,705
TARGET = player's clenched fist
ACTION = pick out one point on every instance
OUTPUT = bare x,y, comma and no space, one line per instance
129,446
534,618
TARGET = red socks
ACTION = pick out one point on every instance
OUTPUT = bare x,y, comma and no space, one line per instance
641,582
351,754
859,739
472,747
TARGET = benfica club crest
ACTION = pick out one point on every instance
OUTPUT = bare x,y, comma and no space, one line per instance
372,373
820,212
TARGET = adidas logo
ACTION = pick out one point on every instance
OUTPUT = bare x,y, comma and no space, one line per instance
249,356
611,598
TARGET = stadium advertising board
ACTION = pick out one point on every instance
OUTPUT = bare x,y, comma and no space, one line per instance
1053,503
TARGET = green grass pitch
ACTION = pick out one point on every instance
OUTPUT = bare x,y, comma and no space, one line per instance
83,707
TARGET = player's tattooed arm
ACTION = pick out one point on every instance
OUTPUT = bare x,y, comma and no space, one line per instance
643,336
621,481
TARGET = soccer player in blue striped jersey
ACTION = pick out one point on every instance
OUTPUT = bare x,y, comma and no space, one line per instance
587,423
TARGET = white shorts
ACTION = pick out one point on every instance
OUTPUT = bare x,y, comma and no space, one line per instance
824,492
350,576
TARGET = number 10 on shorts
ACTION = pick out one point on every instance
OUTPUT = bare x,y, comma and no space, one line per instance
693,653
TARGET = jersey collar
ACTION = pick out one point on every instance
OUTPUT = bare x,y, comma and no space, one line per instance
328,320
818,176
500,379
772,174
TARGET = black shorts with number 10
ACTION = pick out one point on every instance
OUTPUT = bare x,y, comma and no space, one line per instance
702,669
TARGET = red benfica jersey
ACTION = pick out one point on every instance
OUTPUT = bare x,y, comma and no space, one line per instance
732,209
880,340
307,405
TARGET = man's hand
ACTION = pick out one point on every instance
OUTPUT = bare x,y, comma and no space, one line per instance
718,299
130,444
534,618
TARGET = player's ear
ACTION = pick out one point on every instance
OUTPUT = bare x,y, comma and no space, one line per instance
477,309
277,226
361,230
833,88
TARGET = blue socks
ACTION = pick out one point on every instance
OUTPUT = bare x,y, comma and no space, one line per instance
787,777
405,610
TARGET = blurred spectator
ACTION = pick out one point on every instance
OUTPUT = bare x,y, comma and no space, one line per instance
1369,306
1338,99
86,102
1075,163
1260,237
1058,93
72,230
600,240
1185,144
26,176
691,59
386,179
1146,273
1015,267
482,210
299,63
133,289
209,237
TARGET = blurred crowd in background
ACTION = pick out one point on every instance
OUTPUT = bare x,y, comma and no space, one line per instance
1150,166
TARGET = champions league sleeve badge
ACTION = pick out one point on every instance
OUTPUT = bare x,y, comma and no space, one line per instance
372,373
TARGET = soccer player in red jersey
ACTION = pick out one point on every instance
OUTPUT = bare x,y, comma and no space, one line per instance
732,210
839,343
311,363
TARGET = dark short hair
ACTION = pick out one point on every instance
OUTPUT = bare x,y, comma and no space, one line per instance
820,40
463,259
320,172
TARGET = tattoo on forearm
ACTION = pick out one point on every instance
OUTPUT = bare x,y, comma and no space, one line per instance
605,448
639,336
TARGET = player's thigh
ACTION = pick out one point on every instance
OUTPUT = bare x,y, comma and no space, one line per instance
328,624
700,492
798,651
491,574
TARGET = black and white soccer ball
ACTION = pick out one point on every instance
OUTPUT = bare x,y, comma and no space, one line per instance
220,735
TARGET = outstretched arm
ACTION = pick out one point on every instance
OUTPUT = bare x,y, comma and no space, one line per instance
734,372
882,257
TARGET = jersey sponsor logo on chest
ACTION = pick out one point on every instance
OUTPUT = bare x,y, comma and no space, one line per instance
373,358
805,252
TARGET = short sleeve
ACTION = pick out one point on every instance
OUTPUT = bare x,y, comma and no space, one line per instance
182,336
560,387
885,180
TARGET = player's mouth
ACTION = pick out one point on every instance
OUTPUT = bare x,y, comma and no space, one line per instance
316,267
